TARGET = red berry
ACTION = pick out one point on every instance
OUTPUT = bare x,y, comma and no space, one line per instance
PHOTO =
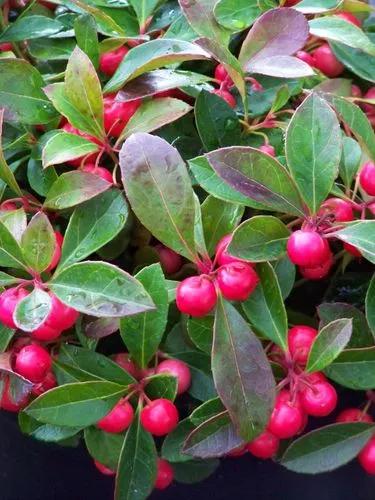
287,417
7,402
226,96
123,359
342,210
49,382
315,377
305,57
307,248
222,256
319,400
117,114
221,75
57,253
237,280
268,149
300,340
177,369
350,18
159,417
356,91
326,62
164,475
110,61
367,107
291,3
8,206
353,415
33,362
264,446
8,303
67,127
318,272
170,261
118,419
196,296
352,250
367,178
6,47
99,171
61,317
367,457
103,469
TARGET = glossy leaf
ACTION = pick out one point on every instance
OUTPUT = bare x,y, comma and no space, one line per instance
242,374
16,222
331,340
105,447
85,30
63,147
162,386
265,307
238,15
354,368
173,443
144,9
6,174
194,471
39,242
10,252
286,275
45,432
28,27
158,187
370,305
360,234
32,310
100,289
350,160
200,332
356,60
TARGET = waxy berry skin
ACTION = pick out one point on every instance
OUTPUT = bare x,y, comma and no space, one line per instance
159,417
123,360
305,57
367,178
264,446
367,457
319,400
237,280
6,47
60,318
7,403
341,210
49,382
164,475
8,303
196,296
287,417
318,272
353,415
307,248
33,362
221,75
117,114
300,340
102,172
326,62
110,61
223,257
226,96
103,469
170,261
352,250
118,419
268,150
367,107
177,369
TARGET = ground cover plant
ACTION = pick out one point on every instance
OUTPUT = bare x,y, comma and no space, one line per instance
187,232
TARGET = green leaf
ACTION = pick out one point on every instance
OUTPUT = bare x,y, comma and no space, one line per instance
85,30
154,114
354,368
76,405
370,305
73,188
236,15
6,174
172,445
32,310
258,176
219,219
10,252
360,234
63,147
144,9
47,49
142,333
40,179
21,93
217,123
200,16
313,157
7,279
15,221
200,331
194,471
104,447
39,242
82,89
350,160
317,6
207,410
45,432
28,27
338,30
137,466
327,448
357,61
158,187
92,225
286,275
152,55
161,386
265,307
100,289
242,374
6,335
331,340
260,238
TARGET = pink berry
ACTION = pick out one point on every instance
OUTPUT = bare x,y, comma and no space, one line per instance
99,171
326,62
110,61
33,362
8,303
342,210
61,317
7,402
67,127
159,417
264,446
367,107
350,18
268,149
287,417
177,369
315,377
196,296
223,257
367,178
352,250
226,96
367,457
318,272
353,415
305,57
300,340
221,75
49,382
170,261
319,400
307,248
237,280
6,47
103,469
118,419
117,114
356,91
164,475
123,360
